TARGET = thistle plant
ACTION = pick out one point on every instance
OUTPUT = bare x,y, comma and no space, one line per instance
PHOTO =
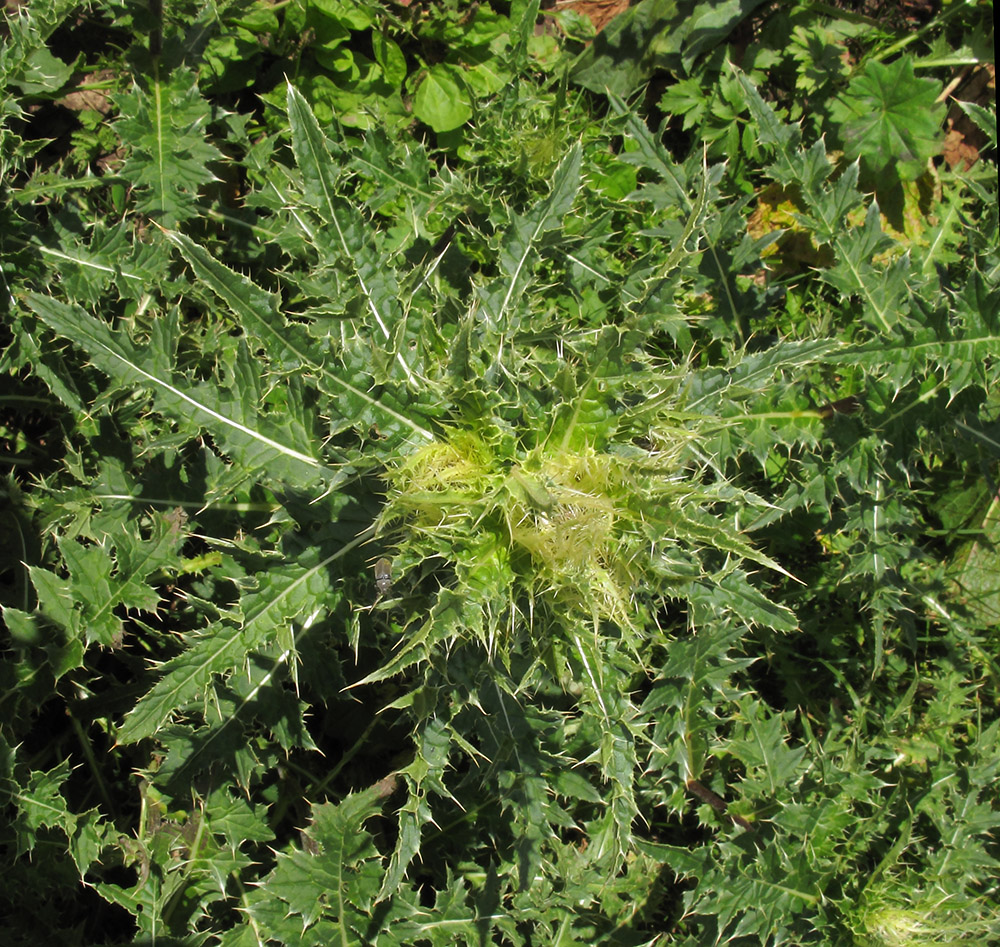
574,522
458,534
904,912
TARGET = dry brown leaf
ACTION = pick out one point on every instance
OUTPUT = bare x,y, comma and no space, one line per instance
599,12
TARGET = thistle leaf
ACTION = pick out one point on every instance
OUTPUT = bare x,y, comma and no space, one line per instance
523,242
169,155
375,280
259,444
289,348
222,648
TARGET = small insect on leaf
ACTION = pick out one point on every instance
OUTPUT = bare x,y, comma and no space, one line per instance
383,576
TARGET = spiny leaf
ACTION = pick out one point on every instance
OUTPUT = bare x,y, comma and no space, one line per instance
259,445
375,279
169,151
289,347
523,241
285,594
422,775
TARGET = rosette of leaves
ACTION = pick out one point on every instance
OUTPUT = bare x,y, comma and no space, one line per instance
563,646
567,528
540,540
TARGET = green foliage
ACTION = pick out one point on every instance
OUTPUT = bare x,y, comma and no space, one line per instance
655,35
889,118
515,526
169,158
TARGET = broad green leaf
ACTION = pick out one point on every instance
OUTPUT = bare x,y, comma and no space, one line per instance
890,118
441,101
390,58
655,36
712,23
646,37
356,16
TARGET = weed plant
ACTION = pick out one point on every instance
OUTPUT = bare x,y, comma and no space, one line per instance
451,499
